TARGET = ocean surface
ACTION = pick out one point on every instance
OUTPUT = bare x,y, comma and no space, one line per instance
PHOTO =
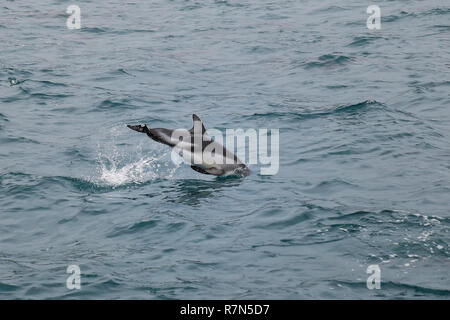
364,176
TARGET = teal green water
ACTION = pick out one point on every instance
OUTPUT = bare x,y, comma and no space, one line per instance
364,150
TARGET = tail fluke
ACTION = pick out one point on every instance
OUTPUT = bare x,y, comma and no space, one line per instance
139,128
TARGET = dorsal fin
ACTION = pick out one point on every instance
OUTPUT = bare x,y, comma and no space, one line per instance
197,122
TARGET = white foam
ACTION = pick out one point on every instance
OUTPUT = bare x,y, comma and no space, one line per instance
117,168
120,163
135,172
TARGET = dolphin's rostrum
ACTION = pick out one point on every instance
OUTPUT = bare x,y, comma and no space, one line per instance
197,148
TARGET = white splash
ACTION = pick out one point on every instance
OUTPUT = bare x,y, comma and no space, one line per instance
114,170
136,172
119,163
140,171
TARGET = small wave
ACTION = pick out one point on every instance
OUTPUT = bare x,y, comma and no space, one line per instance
14,72
350,108
362,41
108,104
329,61
331,186
134,228
329,9
355,107
260,50
50,83
289,222
273,16
129,31
25,183
46,96
441,27
94,30
121,71
233,4
3,118
403,14
433,84
7,288
12,139
436,11
191,7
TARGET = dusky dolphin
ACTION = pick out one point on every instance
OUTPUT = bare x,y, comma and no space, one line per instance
198,149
